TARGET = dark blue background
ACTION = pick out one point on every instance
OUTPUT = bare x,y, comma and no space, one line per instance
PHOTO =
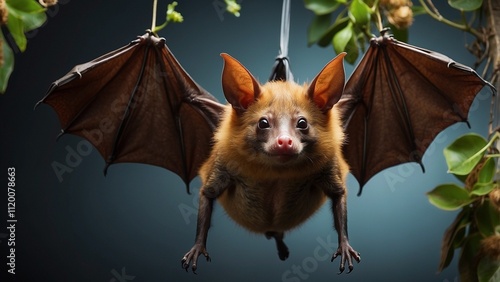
139,221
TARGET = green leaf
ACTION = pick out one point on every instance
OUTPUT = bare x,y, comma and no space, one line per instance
24,15
484,184
352,51
458,240
449,197
33,21
318,28
7,66
29,12
487,218
345,41
487,172
16,29
465,153
26,6
488,270
359,12
323,7
338,25
466,265
466,5
481,189
453,237
342,38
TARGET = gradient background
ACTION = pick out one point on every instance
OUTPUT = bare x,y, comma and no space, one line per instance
94,228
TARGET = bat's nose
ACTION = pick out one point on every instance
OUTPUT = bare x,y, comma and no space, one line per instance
284,142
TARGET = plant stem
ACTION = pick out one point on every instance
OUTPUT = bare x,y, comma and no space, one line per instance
440,18
160,27
153,21
496,135
378,17
488,145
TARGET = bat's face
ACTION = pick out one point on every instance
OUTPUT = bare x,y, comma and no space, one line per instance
280,124
280,127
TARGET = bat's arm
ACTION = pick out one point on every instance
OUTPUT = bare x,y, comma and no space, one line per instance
340,222
203,224
215,185
335,189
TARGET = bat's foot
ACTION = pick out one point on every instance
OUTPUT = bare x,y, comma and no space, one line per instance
347,253
191,258
283,252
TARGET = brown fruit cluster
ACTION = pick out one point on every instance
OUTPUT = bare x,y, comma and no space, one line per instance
398,12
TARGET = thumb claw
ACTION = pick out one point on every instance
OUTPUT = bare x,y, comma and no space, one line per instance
334,256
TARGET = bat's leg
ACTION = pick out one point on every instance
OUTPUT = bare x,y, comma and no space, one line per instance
340,222
219,180
280,245
203,224
336,191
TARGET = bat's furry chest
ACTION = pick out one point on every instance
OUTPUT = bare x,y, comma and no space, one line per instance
273,205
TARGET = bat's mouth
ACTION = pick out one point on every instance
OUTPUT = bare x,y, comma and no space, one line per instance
284,158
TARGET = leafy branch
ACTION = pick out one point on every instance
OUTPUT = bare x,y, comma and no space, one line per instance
463,7
476,229
349,24
18,17
173,16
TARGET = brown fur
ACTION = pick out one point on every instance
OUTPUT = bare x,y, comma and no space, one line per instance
269,197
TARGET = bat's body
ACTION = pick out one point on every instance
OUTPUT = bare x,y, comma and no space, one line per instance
276,157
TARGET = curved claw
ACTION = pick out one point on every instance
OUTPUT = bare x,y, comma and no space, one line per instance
191,257
347,253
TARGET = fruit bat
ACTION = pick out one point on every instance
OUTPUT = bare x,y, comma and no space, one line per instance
276,158
137,99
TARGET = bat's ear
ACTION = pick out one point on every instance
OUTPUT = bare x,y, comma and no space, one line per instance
327,87
240,87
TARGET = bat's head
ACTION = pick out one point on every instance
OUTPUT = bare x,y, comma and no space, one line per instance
282,123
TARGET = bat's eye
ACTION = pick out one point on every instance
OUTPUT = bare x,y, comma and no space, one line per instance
302,123
263,123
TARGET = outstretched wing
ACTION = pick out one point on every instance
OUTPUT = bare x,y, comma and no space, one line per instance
137,104
397,100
